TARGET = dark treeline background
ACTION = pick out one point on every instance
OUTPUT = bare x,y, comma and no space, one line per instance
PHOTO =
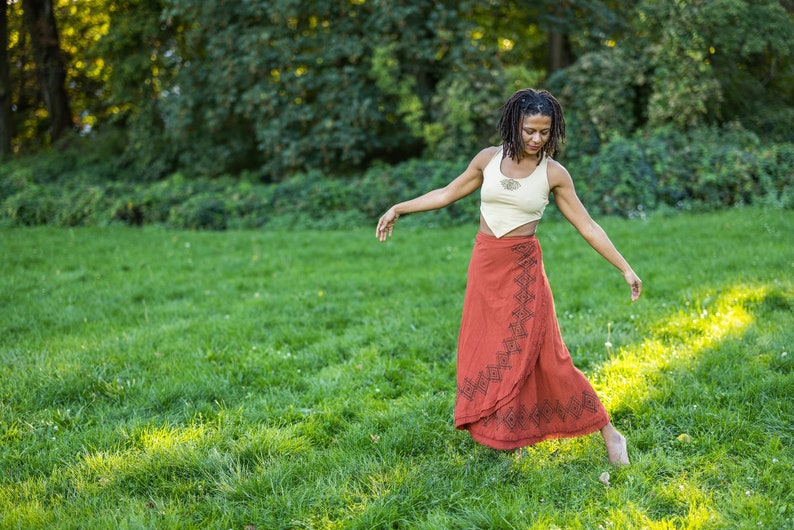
265,90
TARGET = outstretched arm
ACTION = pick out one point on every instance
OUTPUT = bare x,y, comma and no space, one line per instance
572,208
466,183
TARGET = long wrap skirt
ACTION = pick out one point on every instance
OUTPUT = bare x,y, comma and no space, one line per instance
516,383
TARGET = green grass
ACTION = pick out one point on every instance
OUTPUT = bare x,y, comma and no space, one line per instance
157,379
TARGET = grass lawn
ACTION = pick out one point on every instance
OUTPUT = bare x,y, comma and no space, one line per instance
258,380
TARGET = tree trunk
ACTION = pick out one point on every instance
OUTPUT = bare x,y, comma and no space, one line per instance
6,123
560,54
50,69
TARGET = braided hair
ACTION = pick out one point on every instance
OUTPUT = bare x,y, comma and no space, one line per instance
530,102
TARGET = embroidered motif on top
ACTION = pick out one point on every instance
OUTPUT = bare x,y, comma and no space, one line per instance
510,184
525,419
526,262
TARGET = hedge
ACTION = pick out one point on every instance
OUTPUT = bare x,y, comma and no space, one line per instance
663,169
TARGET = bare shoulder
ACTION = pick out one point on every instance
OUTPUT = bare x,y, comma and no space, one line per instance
558,175
482,158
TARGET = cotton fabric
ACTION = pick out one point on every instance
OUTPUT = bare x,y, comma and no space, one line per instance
516,382
507,203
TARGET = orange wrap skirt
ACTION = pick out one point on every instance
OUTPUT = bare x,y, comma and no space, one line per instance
516,383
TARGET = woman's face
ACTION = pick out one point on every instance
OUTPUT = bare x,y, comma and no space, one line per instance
535,132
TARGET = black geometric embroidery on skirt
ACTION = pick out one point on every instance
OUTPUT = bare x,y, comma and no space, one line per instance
526,262
524,418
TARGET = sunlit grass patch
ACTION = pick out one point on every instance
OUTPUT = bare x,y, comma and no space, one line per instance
712,320
677,341
708,389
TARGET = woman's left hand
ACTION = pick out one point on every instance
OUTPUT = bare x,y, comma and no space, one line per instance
634,282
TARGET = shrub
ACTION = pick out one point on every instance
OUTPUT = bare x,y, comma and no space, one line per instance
34,205
777,175
200,212
621,180
704,168
385,185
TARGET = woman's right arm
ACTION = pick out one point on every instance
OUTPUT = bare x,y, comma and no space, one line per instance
466,183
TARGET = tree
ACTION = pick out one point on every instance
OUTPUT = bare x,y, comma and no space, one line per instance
686,64
750,52
51,71
279,86
6,122
551,34
140,55
300,84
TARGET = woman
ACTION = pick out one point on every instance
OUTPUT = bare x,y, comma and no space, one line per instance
516,383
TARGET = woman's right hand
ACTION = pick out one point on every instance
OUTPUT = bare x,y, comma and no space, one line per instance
386,224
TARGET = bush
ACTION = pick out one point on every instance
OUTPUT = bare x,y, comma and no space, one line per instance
385,185
622,181
777,175
704,168
307,200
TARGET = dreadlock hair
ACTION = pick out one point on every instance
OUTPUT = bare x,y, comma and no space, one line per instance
530,102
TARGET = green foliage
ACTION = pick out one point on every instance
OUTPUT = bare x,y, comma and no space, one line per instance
385,185
301,379
465,112
686,64
141,58
316,99
602,96
620,180
703,168
307,200
386,72
684,89
292,86
750,47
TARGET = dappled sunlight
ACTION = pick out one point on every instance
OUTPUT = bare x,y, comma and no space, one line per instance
370,494
169,439
156,451
703,327
635,376
676,341
22,500
374,487
697,515
155,454
103,467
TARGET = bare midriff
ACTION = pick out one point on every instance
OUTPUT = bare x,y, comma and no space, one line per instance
521,231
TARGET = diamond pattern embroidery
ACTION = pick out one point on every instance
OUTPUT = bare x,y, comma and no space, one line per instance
525,419
518,330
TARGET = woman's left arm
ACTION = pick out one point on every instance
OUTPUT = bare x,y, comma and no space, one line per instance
561,184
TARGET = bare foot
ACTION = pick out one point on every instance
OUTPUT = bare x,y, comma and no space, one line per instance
616,446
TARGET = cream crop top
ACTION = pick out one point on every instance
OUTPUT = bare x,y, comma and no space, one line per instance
507,203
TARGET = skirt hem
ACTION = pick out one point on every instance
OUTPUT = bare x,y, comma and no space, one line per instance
508,445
